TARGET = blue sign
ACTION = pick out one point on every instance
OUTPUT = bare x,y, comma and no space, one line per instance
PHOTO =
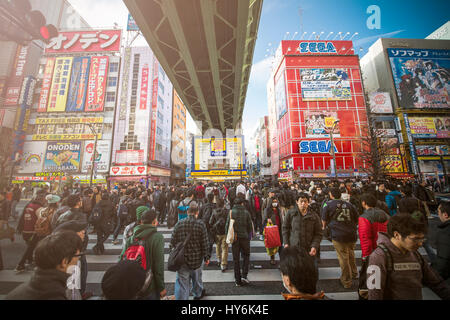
78,84
317,47
313,146
132,26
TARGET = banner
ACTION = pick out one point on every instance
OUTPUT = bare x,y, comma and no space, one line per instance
63,137
33,157
380,102
427,127
68,120
102,156
60,85
131,25
325,84
97,84
144,88
15,81
85,41
78,84
422,77
46,85
128,170
62,156
152,142
319,123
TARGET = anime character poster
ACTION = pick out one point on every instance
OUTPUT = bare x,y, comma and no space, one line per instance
325,84
319,123
421,77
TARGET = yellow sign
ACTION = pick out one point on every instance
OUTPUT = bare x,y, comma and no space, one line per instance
433,158
218,173
68,120
60,85
329,122
58,137
224,150
392,164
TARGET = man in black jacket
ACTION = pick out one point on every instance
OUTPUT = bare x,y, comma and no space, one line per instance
105,226
442,261
54,255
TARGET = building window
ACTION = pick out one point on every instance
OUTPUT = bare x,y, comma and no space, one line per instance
160,102
113,67
160,116
159,131
161,87
112,81
110,96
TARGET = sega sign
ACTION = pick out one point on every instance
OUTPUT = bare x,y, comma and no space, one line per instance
317,47
313,146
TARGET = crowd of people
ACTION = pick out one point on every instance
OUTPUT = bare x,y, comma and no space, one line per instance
390,218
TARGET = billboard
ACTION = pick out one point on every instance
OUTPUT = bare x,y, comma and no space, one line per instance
33,157
280,96
69,120
421,77
85,41
427,127
62,157
152,142
64,137
436,150
128,171
60,85
144,88
46,85
392,164
102,158
224,156
318,124
95,99
78,84
325,84
380,102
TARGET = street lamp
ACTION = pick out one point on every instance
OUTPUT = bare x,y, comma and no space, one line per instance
332,146
94,153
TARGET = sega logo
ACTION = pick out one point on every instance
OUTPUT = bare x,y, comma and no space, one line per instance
314,47
313,146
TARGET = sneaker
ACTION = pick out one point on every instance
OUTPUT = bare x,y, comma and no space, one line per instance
261,238
201,296
19,269
115,242
238,284
223,268
273,262
245,281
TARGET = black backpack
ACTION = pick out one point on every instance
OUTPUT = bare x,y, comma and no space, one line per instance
96,215
218,228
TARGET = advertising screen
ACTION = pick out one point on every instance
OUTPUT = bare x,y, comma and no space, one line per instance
421,77
62,156
319,123
78,84
325,84
427,127
60,85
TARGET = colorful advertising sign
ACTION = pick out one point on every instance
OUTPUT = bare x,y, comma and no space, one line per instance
15,81
85,41
392,164
218,148
97,84
380,102
60,85
389,145
424,127
152,142
422,77
319,123
312,146
78,84
46,85
131,25
69,120
63,156
280,96
128,171
437,150
317,47
64,137
33,157
102,158
325,84
144,88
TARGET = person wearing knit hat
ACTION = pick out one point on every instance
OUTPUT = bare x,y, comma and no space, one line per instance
52,198
128,232
139,211
123,281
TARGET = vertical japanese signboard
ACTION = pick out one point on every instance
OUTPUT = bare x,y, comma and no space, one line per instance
144,88
60,85
46,85
16,79
97,84
78,84
151,149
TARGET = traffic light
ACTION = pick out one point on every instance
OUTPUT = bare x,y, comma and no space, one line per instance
24,24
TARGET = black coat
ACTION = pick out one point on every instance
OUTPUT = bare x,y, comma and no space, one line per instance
43,285
442,263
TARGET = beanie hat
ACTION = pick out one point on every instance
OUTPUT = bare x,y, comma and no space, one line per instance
123,281
139,211
52,198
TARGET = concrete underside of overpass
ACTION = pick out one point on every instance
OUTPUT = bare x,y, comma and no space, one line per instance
206,48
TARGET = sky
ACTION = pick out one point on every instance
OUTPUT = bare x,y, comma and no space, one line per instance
398,19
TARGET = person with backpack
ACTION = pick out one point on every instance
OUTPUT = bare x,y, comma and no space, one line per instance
342,219
219,233
128,232
87,202
122,218
26,226
183,206
232,195
172,216
195,253
393,197
396,269
43,226
102,217
146,246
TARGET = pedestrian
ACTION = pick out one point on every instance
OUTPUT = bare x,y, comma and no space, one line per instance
256,202
342,219
219,233
16,195
55,254
195,253
299,275
242,228
302,227
272,216
393,197
122,217
184,205
396,270
105,225
3,220
442,262
146,231
26,227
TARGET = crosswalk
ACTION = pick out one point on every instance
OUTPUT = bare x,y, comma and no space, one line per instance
265,278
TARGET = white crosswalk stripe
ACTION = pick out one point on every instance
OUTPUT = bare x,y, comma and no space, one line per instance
265,279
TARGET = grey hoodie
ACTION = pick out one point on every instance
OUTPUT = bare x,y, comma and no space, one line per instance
407,277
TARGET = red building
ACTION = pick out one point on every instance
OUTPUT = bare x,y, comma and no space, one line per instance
313,84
